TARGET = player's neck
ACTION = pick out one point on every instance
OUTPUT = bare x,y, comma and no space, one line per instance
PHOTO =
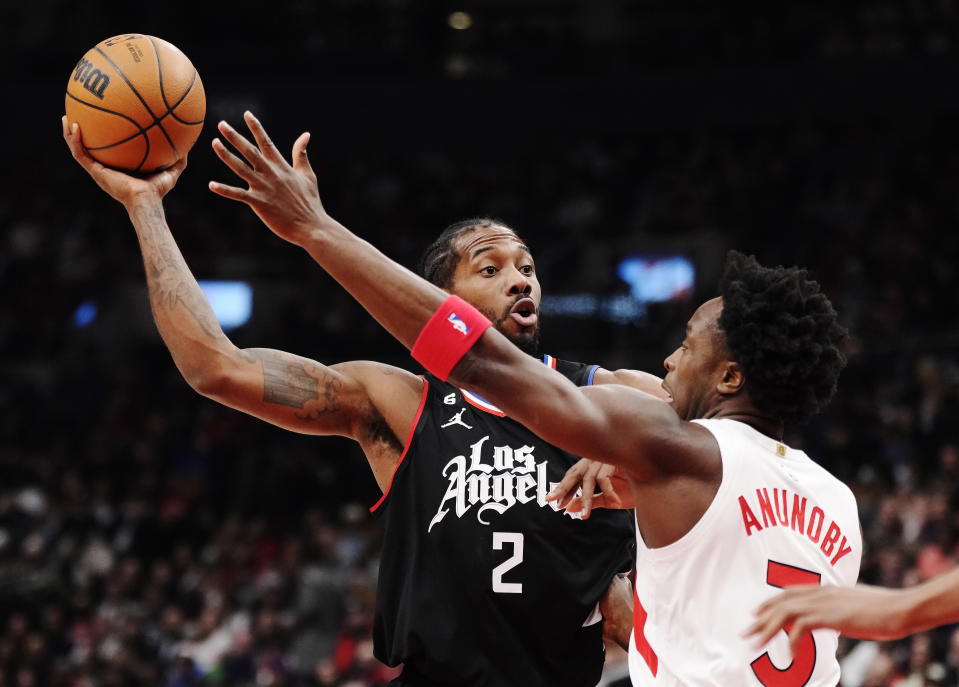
749,415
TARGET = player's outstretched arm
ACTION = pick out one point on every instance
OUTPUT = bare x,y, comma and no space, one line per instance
587,475
643,381
358,399
862,611
598,422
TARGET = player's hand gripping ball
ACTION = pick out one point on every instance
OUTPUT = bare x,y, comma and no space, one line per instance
139,103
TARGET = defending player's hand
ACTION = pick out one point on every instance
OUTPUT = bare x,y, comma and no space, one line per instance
617,609
122,187
586,475
284,196
861,612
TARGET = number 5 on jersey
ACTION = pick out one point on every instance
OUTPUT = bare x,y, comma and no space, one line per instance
499,540
800,670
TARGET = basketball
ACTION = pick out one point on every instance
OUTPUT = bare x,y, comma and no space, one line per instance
139,102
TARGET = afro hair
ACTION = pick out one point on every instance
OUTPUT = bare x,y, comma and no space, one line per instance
784,333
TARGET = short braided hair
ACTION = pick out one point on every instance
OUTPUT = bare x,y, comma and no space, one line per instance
784,333
439,260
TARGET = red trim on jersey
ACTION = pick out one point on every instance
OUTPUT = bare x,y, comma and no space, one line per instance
406,447
479,401
639,635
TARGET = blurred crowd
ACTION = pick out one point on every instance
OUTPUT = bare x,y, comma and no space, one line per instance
148,536
492,38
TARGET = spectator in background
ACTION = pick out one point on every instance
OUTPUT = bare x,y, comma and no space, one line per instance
127,468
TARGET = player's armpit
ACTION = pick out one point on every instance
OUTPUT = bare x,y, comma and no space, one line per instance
302,395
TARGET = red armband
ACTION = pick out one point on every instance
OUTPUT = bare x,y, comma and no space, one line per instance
450,333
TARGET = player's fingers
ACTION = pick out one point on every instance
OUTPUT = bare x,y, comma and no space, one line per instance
236,165
263,140
753,629
240,142
609,491
231,192
175,170
589,490
800,629
80,154
569,481
576,504
301,161
71,139
763,629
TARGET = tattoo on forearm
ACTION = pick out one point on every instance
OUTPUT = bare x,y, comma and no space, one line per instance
169,280
291,382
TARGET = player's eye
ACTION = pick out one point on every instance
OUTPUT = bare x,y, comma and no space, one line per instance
489,270
527,270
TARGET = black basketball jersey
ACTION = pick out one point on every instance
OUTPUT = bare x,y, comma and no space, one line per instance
482,583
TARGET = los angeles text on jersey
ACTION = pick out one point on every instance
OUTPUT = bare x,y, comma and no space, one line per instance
511,476
783,508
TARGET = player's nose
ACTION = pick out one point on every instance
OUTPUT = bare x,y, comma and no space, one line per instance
669,362
519,284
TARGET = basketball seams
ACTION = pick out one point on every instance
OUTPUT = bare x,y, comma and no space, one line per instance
171,109
113,112
142,82
142,131
156,53
123,76
118,143
159,120
182,98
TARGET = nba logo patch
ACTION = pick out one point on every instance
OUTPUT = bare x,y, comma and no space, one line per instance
458,324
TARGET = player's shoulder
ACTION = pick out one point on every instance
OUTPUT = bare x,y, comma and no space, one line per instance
842,489
635,379
380,379
830,487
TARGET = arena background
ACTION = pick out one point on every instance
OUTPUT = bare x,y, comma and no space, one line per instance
151,537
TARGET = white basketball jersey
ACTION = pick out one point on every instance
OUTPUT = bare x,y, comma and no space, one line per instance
777,520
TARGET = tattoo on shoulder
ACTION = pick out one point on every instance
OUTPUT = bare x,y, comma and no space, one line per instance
297,384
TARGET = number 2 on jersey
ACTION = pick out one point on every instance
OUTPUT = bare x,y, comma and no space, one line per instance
499,539
800,670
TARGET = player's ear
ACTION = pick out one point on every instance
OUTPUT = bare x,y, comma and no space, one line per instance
733,380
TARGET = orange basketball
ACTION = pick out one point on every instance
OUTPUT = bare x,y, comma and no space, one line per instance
139,103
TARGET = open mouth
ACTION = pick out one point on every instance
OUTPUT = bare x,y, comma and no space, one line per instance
668,392
523,312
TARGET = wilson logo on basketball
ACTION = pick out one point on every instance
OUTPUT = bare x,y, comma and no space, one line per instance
93,79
